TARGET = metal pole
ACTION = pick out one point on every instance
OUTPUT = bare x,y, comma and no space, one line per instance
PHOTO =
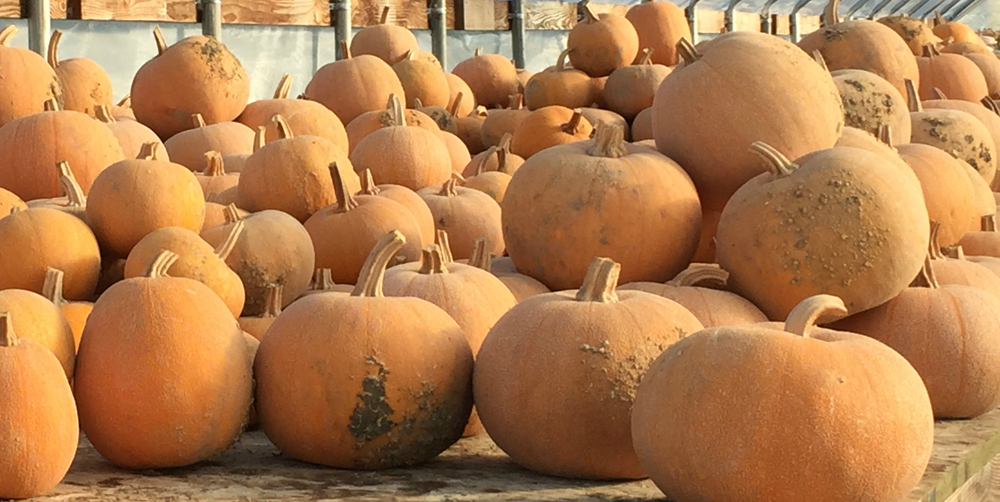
765,17
898,7
916,8
692,15
211,18
342,25
730,23
948,7
878,8
928,11
965,9
517,33
857,6
39,26
439,31
794,20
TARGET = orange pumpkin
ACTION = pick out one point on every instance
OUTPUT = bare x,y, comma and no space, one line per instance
387,41
76,313
465,214
956,270
957,32
520,285
302,115
39,320
882,146
131,134
457,151
215,214
470,130
492,78
372,82
642,126
495,159
407,198
660,25
559,85
548,127
985,242
492,183
441,116
422,80
500,122
990,66
322,282
631,89
257,326
983,111
370,122
29,81
214,179
966,48
188,148
948,192
85,84
915,32
461,101
600,44
957,76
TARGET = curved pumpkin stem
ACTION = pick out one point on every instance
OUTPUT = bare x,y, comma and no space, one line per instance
988,223
417,104
912,97
126,102
938,93
441,239
884,134
934,244
103,113
373,271
804,316
687,51
260,138
573,126
345,50
345,202
991,103
227,246
198,120
600,282
453,109
938,18
161,43
480,257
51,105
432,260
232,214
368,186
385,15
52,288
478,51
699,274
609,142
647,56
7,336
818,57
284,130
215,166
6,34
926,278
53,55
931,51
272,300
484,159
74,194
284,87
776,161
449,188
561,61
160,264
831,16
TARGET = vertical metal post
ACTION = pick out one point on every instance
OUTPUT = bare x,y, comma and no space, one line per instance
211,18
517,33
692,14
794,21
342,25
439,31
730,23
765,17
966,9
39,26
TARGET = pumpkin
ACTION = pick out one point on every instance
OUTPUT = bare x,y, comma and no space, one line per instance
457,151
948,192
39,320
26,167
659,25
983,199
492,78
257,326
547,127
882,146
195,75
862,389
600,44
441,116
631,89
215,214
214,179
985,242
470,128
131,134
461,100
343,233
965,48
465,214
523,76
323,282
955,75
196,260
389,42
260,263
171,344
958,271
950,129
502,121
30,81
85,83
188,148
74,202
133,197
422,80
950,335
870,101
982,111
571,202
713,307
811,228
370,122
252,345
123,109
405,197
492,183
495,159
364,381
575,358
76,313
596,115
402,155
799,113
599,84
990,66
705,252
957,32
520,285
292,174
642,126
302,115
9,202
371,79
915,32
39,238
559,85
39,432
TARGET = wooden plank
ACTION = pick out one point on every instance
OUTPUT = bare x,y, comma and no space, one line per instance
411,14
612,8
549,15
983,487
962,448
139,10
478,14
782,25
58,9
808,24
711,21
10,9
290,12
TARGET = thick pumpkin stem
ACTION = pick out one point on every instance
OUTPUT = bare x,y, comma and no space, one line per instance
931,50
449,188
516,101
126,102
160,264
74,193
600,282
561,61
51,105
396,116
228,245
912,97
432,260
884,134
990,103
232,214
441,239
804,316
480,257
609,142
345,202
953,252
198,120
926,278
989,223
588,14
385,15
214,164
831,16
161,43
417,104
484,159
52,288
478,51
368,186
934,244
53,55
938,93
7,336
647,56
322,280
6,34
701,274
820,60
345,50
573,126
284,130
776,161
149,151
260,138
938,18
686,50
103,113
284,87
373,271
502,158
272,300
453,109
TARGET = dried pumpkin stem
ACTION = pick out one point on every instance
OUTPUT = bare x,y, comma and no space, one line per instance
818,57
272,300
938,19
126,102
260,138
6,34
502,158
703,274
396,116
368,186
588,14
432,260
687,52
517,101
284,130
345,201
449,188
480,257
573,126
103,113
373,271
160,264
284,87
52,288
991,103
989,223
322,280
938,93
912,97
198,120
345,50
647,56
214,166
926,277
232,214
478,51
777,162
149,151
441,239
884,134
7,336
74,193
226,248
831,16
804,316
953,252
51,105
453,109
385,15
609,142
484,159
934,244
600,282
53,54
930,51
161,43
417,104
561,61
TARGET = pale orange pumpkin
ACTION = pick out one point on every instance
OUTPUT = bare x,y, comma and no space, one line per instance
466,215
131,134
957,76
559,85
631,89
492,78
386,41
302,115
188,148
408,199
76,313
600,44
422,80
371,79
35,82
548,127
660,25
85,83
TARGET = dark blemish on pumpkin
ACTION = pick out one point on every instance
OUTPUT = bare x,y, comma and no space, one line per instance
604,241
578,204
370,418
857,84
969,139
442,222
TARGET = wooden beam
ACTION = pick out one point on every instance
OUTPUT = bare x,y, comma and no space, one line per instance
139,10
549,15
476,15
288,12
782,25
10,9
808,24
411,14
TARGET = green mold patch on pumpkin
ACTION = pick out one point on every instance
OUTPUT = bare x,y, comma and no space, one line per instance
370,419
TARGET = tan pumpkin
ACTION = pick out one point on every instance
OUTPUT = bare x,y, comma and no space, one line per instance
965,48
252,345
600,44
188,148
958,271
405,197
492,183
948,192
492,78
26,167
470,130
461,101
302,115
882,146
682,442
76,313
575,357
914,31
371,79
171,344
569,203
39,431
599,84
559,85
458,153
548,127
495,159
660,25
123,109
387,41
983,199
955,75
292,174
520,285
631,89
29,81
983,111
985,242
642,126
195,75
85,83
596,115
500,122
370,122
422,80
990,66
870,101
407,360
257,326
131,134
465,214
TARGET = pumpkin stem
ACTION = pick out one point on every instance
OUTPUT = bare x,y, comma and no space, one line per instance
478,51
215,166
70,186
232,214
161,43
930,51
688,53
149,151
600,282
53,55
938,18
517,101
831,16
700,274
453,109
6,34
284,130
417,104
573,126
953,252
990,103
368,186
373,271
561,61
385,15
448,188
818,57
198,120
779,164
432,260
52,288
227,246
345,50
160,264
480,257
345,202
934,244
396,116
126,102
7,336
804,316
884,134
938,93
51,105
588,14
989,223
912,97
485,159
103,113
647,56
441,239
502,157
926,277
284,87
273,300
322,280
609,142
260,138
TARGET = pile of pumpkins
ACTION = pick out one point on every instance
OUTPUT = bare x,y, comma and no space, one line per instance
725,266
